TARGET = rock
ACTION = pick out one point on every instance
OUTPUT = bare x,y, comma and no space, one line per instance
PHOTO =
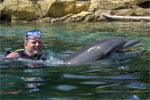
123,12
120,7
46,19
65,17
3,15
106,5
90,18
117,4
100,17
70,10
135,18
99,11
142,12
79,17
55,20
63,8
30,10
83,13
21,9
136,3
45,6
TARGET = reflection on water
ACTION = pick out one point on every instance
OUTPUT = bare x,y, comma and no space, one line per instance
118,78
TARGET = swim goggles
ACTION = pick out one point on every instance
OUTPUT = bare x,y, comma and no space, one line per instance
32,34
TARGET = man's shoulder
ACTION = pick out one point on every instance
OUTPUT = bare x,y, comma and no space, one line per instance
14,54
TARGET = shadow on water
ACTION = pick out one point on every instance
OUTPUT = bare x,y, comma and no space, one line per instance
117,78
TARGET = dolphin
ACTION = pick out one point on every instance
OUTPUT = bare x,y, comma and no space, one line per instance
101,49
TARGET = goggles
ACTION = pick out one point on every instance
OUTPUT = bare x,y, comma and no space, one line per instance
32,34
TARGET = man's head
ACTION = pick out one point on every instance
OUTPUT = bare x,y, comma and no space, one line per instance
32,42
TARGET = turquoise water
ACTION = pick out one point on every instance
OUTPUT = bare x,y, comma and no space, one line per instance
119,79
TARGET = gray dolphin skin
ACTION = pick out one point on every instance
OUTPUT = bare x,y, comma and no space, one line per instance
101,49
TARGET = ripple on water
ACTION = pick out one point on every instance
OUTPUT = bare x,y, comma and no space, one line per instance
32,79
133,97
34,90
32,85
66,87
62,98
137,85
80,76
122,77
93,82
105,77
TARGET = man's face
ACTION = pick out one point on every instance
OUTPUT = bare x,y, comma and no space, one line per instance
33,46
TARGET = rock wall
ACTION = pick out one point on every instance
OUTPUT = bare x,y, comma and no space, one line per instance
70,10
117,4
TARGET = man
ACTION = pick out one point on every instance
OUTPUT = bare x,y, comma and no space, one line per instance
32,47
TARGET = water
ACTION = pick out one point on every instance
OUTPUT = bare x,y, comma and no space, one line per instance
118,79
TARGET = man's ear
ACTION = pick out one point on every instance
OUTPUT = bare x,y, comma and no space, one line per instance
25,44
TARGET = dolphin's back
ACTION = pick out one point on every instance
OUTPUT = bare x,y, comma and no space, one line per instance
96,51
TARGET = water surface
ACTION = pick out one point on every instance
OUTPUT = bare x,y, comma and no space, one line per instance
119,79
